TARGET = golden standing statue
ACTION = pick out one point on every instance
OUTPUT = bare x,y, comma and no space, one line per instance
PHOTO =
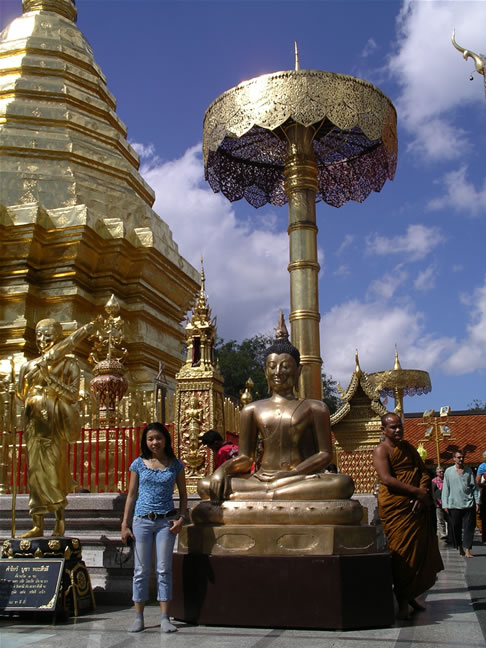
296,440
49,389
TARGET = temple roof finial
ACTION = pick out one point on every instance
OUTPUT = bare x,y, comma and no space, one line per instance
203,276
297,64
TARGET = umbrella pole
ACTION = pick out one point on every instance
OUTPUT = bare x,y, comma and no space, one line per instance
301,189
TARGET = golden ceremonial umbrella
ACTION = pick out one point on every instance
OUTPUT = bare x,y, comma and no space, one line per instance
301,136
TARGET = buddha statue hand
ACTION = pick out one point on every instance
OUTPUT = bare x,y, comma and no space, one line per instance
216,485
239,466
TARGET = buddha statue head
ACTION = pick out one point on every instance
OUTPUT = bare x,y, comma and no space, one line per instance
282,361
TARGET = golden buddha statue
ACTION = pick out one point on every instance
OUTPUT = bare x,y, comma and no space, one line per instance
297,447
48,386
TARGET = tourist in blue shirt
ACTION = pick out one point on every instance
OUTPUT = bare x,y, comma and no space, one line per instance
150,517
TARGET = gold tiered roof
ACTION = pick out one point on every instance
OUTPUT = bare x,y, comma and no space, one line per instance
77,215
57,112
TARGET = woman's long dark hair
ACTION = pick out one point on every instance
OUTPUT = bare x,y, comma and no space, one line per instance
145,452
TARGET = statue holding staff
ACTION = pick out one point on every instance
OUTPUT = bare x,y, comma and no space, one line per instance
48,387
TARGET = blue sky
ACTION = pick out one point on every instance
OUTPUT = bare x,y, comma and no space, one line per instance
405,267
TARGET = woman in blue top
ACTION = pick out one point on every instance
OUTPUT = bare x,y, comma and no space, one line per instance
150,517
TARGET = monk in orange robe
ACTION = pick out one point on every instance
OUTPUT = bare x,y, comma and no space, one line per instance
404,505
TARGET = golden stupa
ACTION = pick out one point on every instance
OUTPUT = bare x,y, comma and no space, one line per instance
76,218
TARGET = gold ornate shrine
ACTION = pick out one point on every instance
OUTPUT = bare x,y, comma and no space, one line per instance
356,427
76,218
200,402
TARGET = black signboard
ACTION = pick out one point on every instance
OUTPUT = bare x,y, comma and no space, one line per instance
30,585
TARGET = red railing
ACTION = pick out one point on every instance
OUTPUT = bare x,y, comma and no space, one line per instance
99,461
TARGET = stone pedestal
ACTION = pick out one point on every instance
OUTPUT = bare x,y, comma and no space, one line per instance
256,512
277,539
338,592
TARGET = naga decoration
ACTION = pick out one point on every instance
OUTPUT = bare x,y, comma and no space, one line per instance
479,59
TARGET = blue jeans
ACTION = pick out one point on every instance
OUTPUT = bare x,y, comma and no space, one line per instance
147,532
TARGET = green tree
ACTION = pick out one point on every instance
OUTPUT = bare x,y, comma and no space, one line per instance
238,362
477,405
331,395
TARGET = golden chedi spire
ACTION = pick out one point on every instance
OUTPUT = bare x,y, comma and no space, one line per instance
76,218
57,113
66,8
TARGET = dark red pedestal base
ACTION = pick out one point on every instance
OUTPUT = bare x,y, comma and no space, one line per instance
327,592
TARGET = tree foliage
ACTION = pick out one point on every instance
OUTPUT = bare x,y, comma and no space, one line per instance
240,361
331,395
477,405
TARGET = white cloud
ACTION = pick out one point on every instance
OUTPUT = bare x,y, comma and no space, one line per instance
146,153
386,286
374,329
417,243
470,354
460,194
425,280
433,75
347,241
437,139
342,271
246,280
369,48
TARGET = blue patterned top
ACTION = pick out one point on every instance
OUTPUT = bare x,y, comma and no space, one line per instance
155,487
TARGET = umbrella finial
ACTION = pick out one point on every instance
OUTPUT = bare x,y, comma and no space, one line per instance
297,64
397,361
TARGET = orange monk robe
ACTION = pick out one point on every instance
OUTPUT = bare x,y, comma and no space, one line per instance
411,536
